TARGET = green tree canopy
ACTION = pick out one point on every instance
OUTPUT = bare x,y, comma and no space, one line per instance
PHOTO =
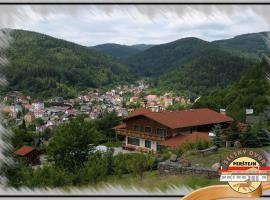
73,142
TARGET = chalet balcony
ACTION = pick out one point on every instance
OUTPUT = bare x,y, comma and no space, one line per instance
137,134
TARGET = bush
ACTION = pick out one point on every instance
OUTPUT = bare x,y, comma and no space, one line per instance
119,164
190,146
178,151
96,169
165,154
49,176
135,163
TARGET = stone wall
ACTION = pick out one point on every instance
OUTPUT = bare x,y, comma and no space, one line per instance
171,168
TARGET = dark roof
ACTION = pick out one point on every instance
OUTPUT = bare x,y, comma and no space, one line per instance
176,141
184,118
24,150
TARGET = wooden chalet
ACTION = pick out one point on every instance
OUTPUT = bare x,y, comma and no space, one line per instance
148,130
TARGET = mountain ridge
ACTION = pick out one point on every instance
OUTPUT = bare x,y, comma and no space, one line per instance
42,65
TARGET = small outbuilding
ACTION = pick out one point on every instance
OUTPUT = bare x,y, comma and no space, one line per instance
29,155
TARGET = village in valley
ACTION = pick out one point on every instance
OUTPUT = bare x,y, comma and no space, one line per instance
55,111
39,116
147,124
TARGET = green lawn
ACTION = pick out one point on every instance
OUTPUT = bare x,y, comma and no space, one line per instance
210,158
152,182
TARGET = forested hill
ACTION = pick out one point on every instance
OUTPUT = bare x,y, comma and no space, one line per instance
117,50
252,45
142,47
189,66
251,91
161,58
206,73
43,66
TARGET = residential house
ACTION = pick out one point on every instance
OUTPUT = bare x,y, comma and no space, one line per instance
29,117
152,97
28,107
168,101
133,99
71,112
14,109
38,106
6,109
150,130
39,113
51,124
85,108
93,115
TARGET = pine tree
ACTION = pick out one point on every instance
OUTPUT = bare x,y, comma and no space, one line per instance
234,133
217,131
250,138
262,134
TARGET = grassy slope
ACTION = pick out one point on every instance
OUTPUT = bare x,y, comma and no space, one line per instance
209,159
153,182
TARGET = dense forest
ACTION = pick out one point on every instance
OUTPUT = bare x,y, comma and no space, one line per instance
251,91
253,45
208,72
43,66
189,66
117,50
142,47
161,58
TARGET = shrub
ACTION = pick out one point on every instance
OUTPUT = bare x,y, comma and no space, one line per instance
138,164
95,169
49,176
135,163
190,146
165,154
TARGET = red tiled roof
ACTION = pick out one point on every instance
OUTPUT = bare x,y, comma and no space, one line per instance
176,141
120,126
24,150
184,118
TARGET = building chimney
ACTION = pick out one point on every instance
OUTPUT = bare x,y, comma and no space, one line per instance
222,111
157,108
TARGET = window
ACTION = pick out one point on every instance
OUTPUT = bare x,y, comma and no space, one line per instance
133,141
147,129
148,144
161,132
136,128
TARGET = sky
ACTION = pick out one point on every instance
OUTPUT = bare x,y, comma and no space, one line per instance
91,25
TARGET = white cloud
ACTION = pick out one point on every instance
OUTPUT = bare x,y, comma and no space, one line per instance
127,24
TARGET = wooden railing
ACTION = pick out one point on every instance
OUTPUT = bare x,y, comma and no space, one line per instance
137,134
